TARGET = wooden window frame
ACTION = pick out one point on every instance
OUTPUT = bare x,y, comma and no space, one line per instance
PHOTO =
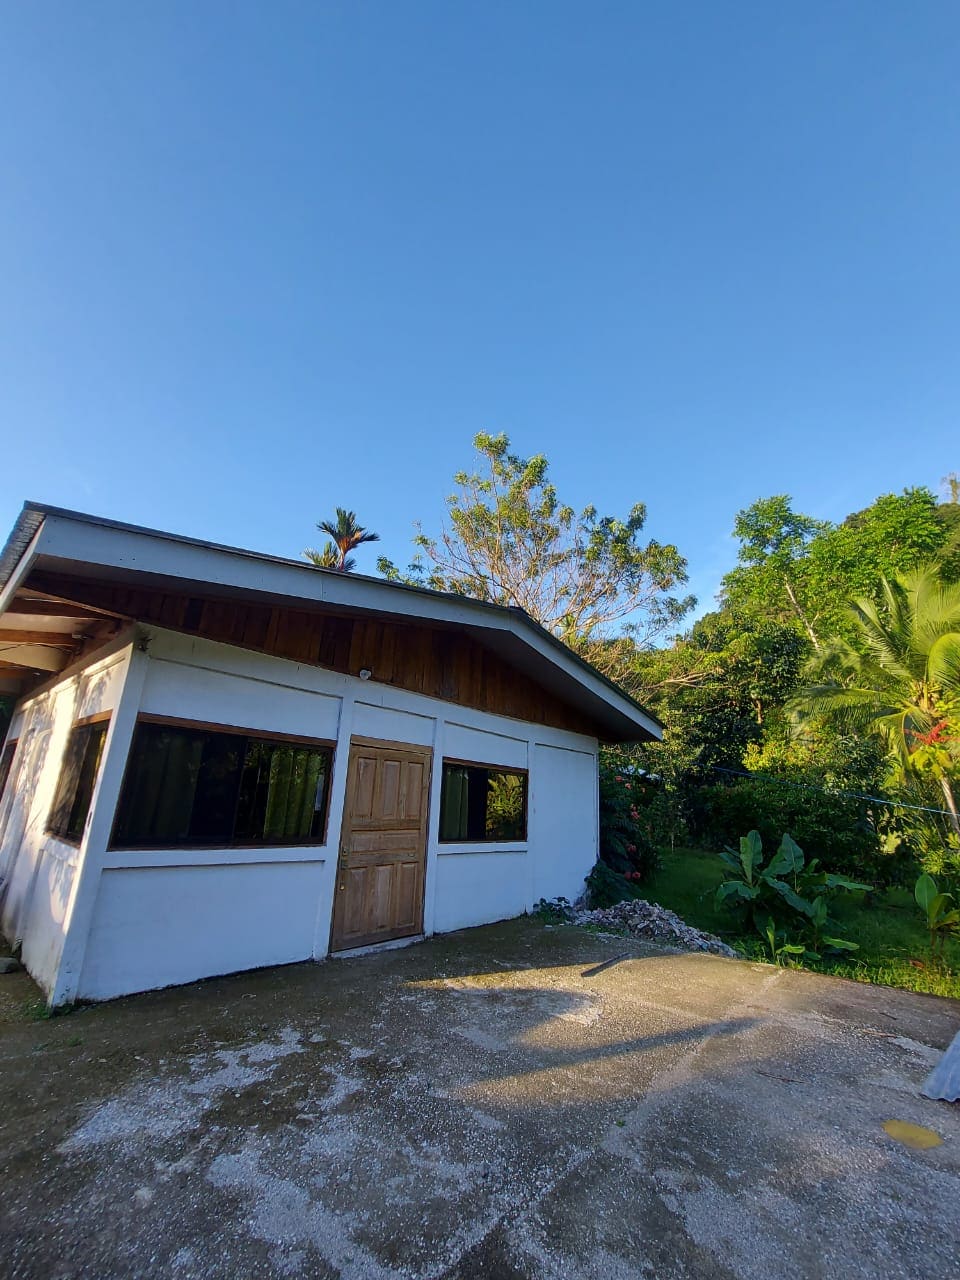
490,768
214,726
262,735
85,722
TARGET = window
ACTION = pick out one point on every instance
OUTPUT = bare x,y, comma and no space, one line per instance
6,760
78,773
195,786
481,803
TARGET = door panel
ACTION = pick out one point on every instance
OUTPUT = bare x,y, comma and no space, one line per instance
365,781
383,845
415,790
390,789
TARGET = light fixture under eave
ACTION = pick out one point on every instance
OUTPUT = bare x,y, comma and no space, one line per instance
365,673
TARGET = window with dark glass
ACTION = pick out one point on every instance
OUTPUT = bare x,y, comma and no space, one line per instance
186,785
6,761
78,773
480,803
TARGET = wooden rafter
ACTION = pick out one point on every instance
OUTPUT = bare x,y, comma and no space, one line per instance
50,608
44,599
60,639
34,657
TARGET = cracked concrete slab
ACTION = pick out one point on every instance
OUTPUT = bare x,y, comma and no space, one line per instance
511,1101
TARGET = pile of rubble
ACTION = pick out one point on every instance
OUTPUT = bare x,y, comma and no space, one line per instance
654,923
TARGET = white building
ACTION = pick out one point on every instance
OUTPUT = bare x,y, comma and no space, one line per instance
220,760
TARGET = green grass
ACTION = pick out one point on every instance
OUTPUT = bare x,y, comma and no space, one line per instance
894,945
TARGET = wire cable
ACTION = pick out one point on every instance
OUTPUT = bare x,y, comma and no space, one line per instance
831,791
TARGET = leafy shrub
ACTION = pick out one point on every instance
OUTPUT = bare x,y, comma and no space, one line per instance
928,835
624,845
787,889
838,830
554,910
605,887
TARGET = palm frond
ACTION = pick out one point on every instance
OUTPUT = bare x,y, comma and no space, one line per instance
886,637
328,558
346,533
937,607
943,664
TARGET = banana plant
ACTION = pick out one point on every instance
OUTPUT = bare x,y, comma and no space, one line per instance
753,879
819,919
788,883
943,917
778,944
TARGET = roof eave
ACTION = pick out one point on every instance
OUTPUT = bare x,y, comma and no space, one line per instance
633,722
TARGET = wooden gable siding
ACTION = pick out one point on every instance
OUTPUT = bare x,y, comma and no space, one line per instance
446,664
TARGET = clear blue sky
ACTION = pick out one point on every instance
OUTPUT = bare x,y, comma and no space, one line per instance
257,260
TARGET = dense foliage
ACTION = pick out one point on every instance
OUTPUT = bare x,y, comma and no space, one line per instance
820,647
898,678
832,827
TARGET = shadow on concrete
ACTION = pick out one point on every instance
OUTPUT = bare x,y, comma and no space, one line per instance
472,1107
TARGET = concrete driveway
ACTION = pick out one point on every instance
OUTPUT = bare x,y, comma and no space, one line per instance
512,1101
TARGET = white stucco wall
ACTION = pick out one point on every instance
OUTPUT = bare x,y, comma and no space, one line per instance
564,819
38,872
155,926
167,916
144,919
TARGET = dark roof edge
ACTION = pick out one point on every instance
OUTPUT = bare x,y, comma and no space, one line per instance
21,535
32,516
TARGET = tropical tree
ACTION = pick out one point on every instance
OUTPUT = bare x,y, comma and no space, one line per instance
898,678
330,558
773,542
589,579
345,533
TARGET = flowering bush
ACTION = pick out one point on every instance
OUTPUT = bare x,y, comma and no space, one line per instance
605,887
624,846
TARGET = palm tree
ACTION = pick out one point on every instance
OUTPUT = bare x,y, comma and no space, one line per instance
899,677
345,534
329,558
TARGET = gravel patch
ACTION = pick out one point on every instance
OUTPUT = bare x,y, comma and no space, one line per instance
653,923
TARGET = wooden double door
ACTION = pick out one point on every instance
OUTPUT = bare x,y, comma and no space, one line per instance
383,844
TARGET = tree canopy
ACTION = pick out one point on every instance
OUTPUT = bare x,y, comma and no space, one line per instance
795,612
592,580
797,568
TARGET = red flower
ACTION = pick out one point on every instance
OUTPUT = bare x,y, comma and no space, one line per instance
937,734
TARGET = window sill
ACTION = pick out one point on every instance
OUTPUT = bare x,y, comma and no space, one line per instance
61,848
55,835
122,859
457,850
